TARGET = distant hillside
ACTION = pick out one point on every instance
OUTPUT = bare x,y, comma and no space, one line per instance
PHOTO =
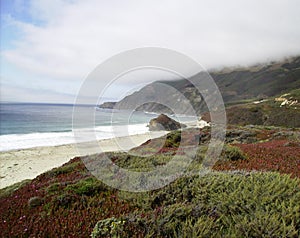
235,85
282,110
268,80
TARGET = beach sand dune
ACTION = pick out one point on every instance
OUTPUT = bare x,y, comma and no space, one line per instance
17,165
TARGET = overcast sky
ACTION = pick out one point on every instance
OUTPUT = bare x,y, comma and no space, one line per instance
48,47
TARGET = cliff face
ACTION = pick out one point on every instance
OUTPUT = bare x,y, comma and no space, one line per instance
235,85
163,97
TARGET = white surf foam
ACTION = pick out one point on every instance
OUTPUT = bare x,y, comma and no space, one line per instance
23,141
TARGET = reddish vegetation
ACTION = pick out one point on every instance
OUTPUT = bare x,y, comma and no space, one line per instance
75,215
280,155
21,220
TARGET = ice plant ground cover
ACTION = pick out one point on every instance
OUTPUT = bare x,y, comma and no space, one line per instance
282,156
253,192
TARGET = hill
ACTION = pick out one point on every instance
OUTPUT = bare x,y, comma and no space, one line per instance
282,110
236,85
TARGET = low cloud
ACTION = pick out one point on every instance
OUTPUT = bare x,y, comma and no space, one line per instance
66,39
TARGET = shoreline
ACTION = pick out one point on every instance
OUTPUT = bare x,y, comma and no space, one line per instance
20,164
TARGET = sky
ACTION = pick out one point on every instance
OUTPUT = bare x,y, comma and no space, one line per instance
49,47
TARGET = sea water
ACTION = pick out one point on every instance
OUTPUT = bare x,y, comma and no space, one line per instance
27,125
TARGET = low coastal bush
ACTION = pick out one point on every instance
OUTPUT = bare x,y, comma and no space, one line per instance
53,188
63,169
7,191
173,139
220,205
34,202
140,163
110,227
89,187
234,203
232,153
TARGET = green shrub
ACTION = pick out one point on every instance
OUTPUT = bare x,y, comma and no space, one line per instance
221,205
7,191
65,169
89,187
173,139
140,163
53,188
35,202
202,227
232,153
110,227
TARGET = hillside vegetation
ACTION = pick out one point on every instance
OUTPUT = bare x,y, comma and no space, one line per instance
253,191
281,110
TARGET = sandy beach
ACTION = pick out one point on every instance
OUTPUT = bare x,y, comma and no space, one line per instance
17,165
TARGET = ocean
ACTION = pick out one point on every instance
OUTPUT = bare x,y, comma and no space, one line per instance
27,125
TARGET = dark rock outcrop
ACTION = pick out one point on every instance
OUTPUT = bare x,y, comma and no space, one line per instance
164,123
107,105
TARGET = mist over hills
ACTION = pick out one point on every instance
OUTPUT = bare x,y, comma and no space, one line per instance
236,85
